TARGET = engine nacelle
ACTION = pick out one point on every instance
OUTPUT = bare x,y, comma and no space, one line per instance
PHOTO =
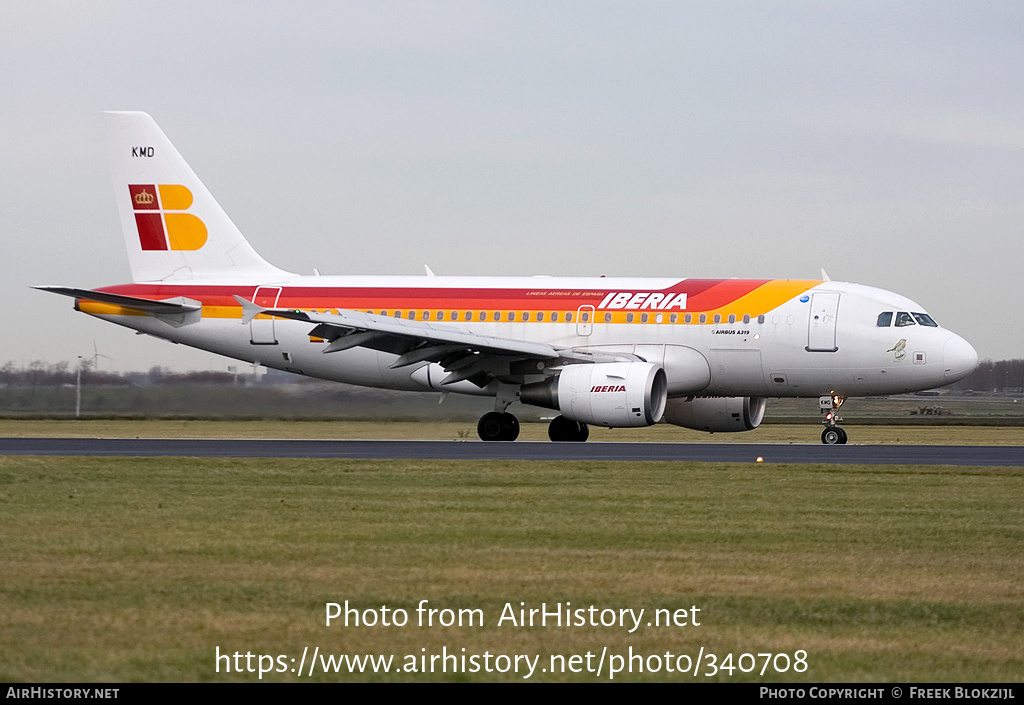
716,414
613,394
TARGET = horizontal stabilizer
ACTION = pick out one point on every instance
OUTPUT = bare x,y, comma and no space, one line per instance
167,307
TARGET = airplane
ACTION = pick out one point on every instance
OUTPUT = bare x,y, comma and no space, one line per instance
704,354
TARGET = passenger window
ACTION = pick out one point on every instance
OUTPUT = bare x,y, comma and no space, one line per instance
526,316
497,316
629,318
904,319
925,320
554,317
885,319
732,318
643,318
412,315
398,314
511,315
540,316
703,318
568,318
607,318
746,318
673,318
688,318
760,319
718,318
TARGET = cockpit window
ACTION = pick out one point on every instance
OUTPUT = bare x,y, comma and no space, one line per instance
885,319
904,319
925,320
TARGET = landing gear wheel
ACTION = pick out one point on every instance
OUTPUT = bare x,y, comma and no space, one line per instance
562,429
510,427
496,426
833,436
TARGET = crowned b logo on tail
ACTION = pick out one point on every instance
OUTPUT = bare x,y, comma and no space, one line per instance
160,219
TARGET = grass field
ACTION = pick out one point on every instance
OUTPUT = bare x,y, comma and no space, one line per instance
454,430
137,569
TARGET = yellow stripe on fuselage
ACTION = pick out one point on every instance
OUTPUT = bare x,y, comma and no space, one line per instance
98,308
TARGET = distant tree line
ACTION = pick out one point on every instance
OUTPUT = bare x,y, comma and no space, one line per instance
41,374
994,376
991,376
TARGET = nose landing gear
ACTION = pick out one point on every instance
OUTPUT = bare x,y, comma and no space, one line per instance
833,434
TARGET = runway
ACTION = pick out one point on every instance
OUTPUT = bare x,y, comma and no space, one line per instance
1006,456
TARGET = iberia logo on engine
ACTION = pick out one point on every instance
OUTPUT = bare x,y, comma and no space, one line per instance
608,388
160,218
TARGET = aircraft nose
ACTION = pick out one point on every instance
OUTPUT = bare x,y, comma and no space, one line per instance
959,358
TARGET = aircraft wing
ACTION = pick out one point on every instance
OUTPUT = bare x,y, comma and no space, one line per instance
168,307
465,355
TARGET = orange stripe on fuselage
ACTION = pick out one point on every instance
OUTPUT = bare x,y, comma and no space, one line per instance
764,298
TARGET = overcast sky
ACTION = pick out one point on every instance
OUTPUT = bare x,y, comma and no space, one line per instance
882,141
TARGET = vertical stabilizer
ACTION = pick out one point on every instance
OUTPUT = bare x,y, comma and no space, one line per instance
173,227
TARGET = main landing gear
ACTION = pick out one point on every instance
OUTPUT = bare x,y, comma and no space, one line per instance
498,426
503,426
563,429
833,434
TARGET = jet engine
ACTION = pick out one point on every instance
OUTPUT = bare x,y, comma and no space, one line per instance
716,414
613,394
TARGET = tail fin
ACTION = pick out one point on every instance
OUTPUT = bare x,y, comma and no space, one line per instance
173,227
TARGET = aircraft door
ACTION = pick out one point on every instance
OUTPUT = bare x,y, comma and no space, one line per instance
584,320
821,324
261,328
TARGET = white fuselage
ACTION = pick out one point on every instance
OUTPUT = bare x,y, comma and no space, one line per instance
825,339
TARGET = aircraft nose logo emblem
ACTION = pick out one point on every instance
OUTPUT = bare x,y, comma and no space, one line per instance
899,349
161,218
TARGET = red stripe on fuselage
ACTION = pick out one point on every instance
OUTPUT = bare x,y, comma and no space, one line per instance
722,293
